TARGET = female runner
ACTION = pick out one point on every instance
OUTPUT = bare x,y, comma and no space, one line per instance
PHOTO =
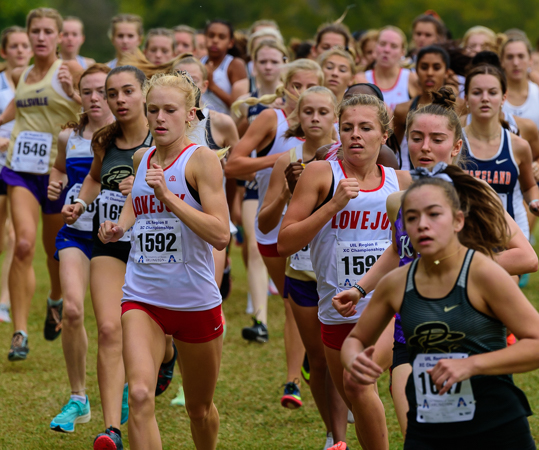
160,45
15,50
266,136
397,84
72,40
315,112
454,308
111,174
224,69
44,99
126,33
185,38
427,30
338,207
74,242
329,36
177,190
339,70
435,135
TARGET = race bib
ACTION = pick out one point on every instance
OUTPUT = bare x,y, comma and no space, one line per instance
110,207
457,405
84,222
32,152
354,259
158,241
302,259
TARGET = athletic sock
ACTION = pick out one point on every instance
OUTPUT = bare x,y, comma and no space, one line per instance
54,302
79,398
22,332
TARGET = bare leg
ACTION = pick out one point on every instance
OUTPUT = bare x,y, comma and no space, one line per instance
399,379
8,245
51,226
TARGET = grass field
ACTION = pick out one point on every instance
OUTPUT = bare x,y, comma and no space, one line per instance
248,392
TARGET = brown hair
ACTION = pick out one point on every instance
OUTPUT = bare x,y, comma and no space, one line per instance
126,18
337,51
189,30
45,13
79,126
6,32
139,60
368,100
337,28
160,32
296,130
427,18
485,228
188,59
75,19
516,38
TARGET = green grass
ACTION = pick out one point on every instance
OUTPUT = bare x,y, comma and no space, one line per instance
248,392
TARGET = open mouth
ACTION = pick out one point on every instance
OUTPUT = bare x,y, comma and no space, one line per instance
425,240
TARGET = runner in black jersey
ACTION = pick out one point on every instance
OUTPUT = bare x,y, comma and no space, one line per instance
455,305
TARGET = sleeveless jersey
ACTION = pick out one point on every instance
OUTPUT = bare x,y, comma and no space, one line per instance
220,78
501,172
6,95
112,64
299,265
202,132
169,265
254,111
117,166
350,243
42,108
80,60
396,94
529,109
279,145
79,157
450,327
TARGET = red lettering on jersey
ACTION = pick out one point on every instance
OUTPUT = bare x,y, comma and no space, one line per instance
502,177
160,207
496,177
334,222
366,215
152,204
345,220
489,180
375,225
385,222
144,200
354,219
136,206
507,177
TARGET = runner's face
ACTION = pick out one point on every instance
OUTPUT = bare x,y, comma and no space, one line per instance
92,93
317,115
268,63
126,38
337,74
424,35
328,41
478,42
17,52
299,83
218,40
167,114
159,50
201,46
485,97
196,75
430,141
361,133
369,52
124,97
516,61
429,220
72,37
184,42
389,49
431,71
44,36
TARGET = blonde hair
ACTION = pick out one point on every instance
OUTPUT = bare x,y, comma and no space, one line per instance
188,59
336,51
495,40
368,100
75,19
291,69
139,60
125,18
7,32
370,35
182,82
266,23
45,13
270,43
398,31
160,32
189,30
267,33
296,130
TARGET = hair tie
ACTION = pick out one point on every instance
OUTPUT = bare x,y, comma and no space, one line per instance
436,172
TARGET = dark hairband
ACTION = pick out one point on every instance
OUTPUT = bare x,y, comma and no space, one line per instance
378,93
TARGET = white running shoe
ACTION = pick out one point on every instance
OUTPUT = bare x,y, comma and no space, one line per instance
4,314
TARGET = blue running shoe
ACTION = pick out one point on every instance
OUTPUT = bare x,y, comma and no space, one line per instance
125,405
19,346
524,280
72,413
109,440
166,372
291,398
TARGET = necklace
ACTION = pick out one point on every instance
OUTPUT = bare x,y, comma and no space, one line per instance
438,261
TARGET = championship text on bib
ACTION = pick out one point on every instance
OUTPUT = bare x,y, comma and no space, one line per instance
158,241
354,259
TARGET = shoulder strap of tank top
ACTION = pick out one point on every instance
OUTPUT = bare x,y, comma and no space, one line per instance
463,276
148,141
209,136
410,276
415,103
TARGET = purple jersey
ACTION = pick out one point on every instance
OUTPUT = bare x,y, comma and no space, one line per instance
406,255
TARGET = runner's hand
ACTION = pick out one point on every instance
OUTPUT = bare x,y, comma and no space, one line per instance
292,173
447,372
345,302
110,232
54,190
4,144
71,213
347,189
66,80
155,178
126,185
363,369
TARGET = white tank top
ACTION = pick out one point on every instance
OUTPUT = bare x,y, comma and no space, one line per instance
280,145
350,243
220,78
6,95
169,266
396,94
529,109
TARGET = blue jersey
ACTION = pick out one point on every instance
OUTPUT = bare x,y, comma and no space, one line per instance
501,172
254,111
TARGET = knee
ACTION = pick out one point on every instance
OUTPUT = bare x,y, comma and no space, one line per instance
24,249
72,312
353,390
109,333
141,396
317,363
199,413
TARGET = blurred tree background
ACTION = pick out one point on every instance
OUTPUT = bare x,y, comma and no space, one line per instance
297,18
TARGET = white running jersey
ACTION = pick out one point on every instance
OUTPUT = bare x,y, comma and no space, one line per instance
220,78
169,266
350,243
6,95
529,109
280,145
396,94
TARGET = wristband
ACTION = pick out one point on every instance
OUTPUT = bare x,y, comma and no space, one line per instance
360,289
534,200
83,203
